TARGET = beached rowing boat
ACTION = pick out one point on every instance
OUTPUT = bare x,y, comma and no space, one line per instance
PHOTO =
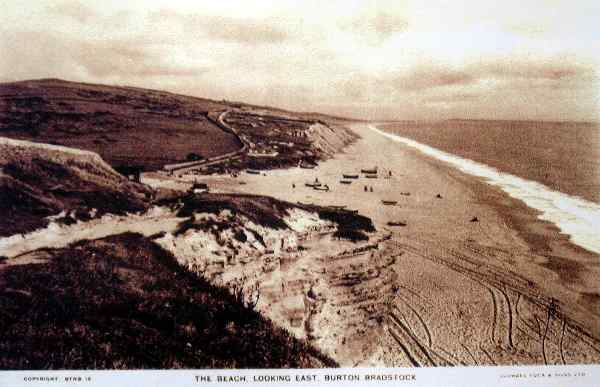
253,171
371,176
345,182
389,202
370,171
398,224
305,165
312,185
345,176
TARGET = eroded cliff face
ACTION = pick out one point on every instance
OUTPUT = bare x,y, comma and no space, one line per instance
208,243
330,139
331,292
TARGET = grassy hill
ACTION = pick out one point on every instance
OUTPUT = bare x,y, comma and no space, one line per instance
40,180
125,303
125,125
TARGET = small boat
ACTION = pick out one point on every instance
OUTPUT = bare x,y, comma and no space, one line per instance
389,202
405,193
313,185
345,182
253,171
349,176
370,171
321,188
371,176
337,207
397,224
305,165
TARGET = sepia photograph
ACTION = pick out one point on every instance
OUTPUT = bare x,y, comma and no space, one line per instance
362,189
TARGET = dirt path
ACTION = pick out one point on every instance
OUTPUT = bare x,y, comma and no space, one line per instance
57,236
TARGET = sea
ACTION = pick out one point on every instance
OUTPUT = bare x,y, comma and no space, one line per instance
553,167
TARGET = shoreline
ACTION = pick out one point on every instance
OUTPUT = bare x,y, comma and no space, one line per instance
566,211
453,263
543,238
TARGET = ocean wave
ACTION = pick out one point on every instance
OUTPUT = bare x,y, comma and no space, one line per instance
576,217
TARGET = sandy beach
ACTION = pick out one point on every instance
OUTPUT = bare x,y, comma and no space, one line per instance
472,278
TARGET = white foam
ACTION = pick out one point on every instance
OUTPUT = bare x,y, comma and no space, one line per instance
576,217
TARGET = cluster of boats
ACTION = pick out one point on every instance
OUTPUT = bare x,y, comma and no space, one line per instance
348,178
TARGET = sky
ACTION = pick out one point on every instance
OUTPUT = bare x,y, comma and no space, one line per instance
402,59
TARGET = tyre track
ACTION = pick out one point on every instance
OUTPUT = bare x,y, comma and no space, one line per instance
562,338
418,316
458,361
421,352
407,353
495,317
507,280
487,354
470,354
510,318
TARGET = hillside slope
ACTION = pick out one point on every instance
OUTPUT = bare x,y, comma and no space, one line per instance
125,125
124,303
40,180
131,126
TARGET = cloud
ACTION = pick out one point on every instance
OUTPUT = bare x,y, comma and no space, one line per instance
550,69
388,59
452,98
549,72
427,77
227,29
76,11
377,27
245,31
130,59
97,60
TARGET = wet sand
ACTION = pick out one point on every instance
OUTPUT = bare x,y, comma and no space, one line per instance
506,289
